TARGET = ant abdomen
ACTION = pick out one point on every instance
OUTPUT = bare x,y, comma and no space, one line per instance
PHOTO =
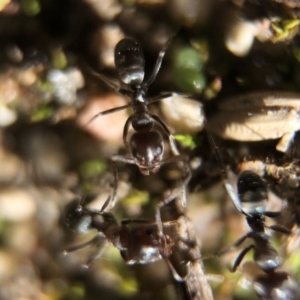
265,256
276,286
130,61
252,192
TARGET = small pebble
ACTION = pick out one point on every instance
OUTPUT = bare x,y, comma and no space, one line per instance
183,114
16,205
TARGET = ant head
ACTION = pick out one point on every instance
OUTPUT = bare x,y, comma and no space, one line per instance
82,219
253,193
130,61
148,246
77,219
147,149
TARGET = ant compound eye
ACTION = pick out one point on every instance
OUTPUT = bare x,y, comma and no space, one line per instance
130,61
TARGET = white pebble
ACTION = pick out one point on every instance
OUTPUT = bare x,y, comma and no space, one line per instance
16,205
240,37
184,115
7,116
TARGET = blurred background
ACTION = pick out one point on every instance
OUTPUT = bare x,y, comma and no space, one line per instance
49,156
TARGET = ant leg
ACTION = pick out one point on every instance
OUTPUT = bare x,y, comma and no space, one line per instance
107,112
236,244
161,96
81,246
124,159
233,196
114,84
172,196
165,95
187,174
158,217
167,131
185,181
228,186
240,257
125,132
272,214
106,203
111,200
175,274
136,221
159,224
242,239
100,246
157,64
280,228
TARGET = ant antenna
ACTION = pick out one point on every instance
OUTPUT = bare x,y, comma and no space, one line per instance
229,188
158,63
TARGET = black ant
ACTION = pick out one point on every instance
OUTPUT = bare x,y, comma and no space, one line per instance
146,144
140,244
251,201
276,286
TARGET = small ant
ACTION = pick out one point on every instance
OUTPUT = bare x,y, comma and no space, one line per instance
251,201
140,244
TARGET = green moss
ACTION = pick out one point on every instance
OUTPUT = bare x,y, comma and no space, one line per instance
136,197
59,59
91,168
190,81
188,65
284,29
186,140
31,7
43,112
188,58
76,292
